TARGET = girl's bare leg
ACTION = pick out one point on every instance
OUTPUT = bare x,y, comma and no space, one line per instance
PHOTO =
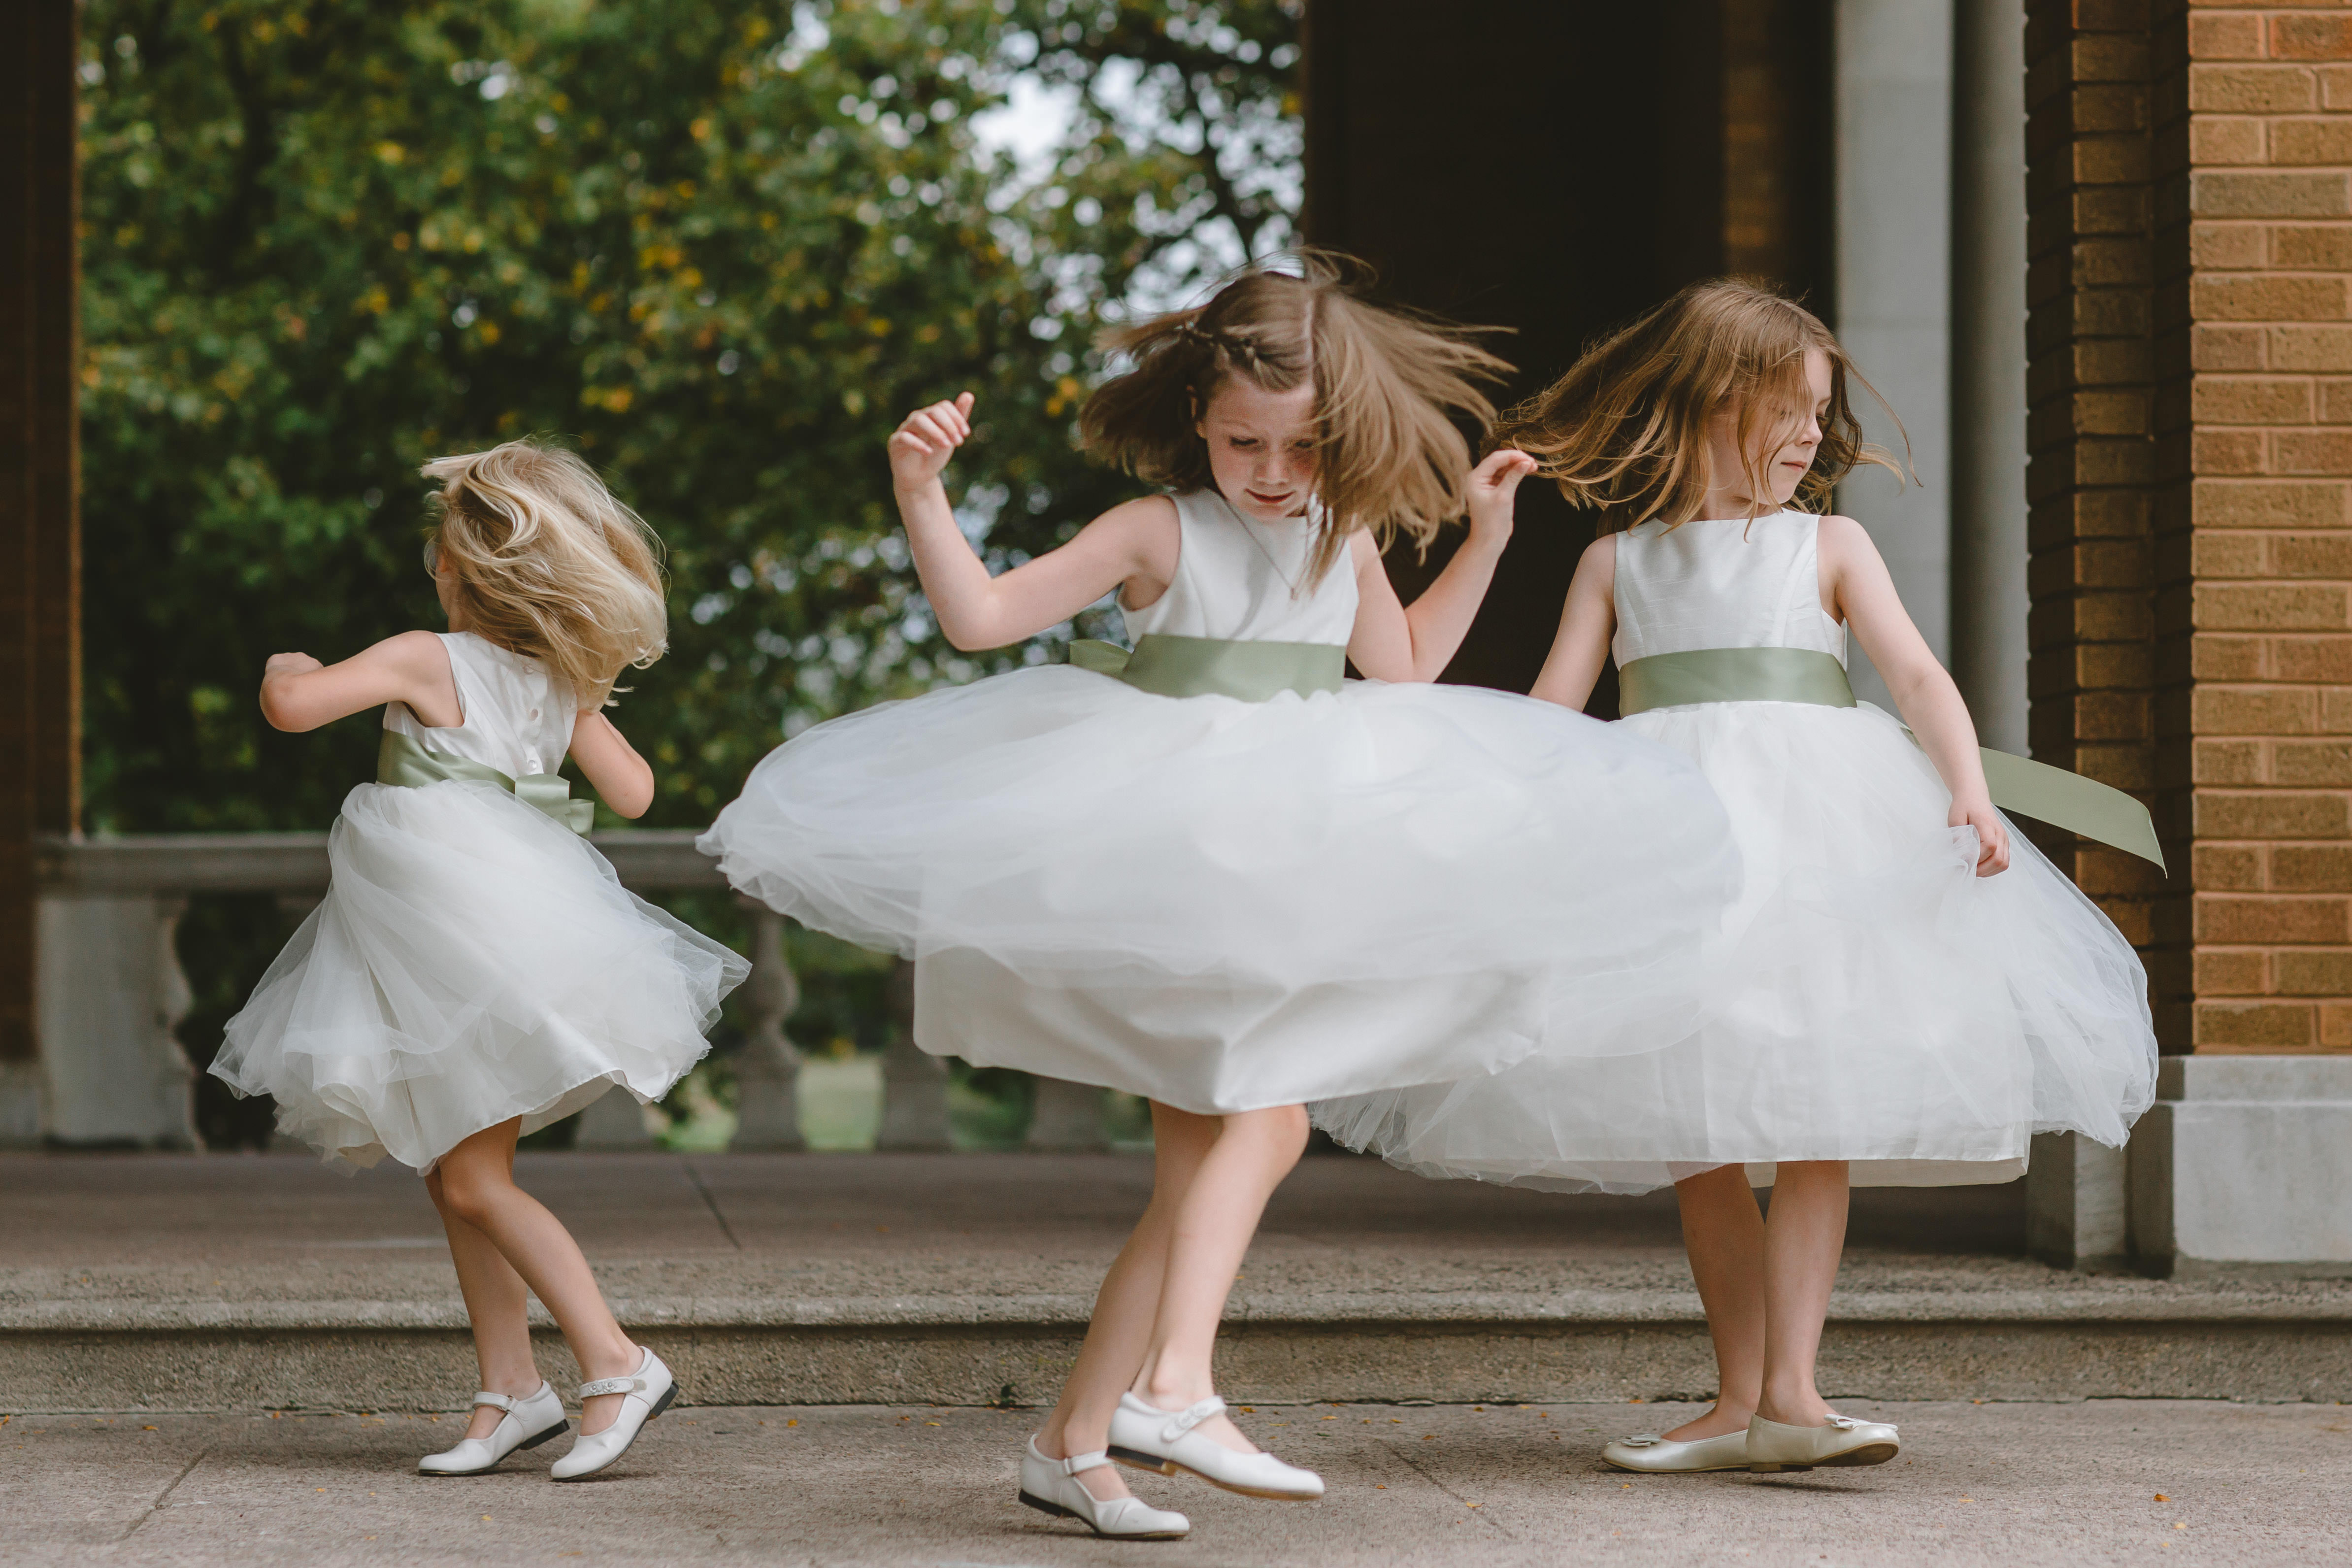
1120,1329
1214,1221
1803,1237
1723,1231
497,1304
477,1185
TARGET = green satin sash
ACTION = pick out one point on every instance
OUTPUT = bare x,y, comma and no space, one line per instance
401,761
2019,785
1169,666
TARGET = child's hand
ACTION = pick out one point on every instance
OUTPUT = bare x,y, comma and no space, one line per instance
922,444
1494,489
289,664
1992,856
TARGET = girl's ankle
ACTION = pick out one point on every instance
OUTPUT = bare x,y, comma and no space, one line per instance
1055,1444
623,1362
1805,1408
1170,1398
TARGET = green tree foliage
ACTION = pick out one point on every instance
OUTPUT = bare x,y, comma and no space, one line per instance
722,246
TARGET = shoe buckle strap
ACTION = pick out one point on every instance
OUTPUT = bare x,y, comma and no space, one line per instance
612,1385
506,1402
1183,1421
1076,1462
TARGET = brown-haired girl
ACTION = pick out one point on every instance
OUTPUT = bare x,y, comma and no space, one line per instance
1211,871
1906,991
476,970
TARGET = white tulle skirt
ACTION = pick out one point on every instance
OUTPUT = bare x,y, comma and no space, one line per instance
1226,905
474,960
1871,999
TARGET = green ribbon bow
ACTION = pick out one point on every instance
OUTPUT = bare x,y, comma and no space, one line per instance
2018,783
403,762
1170,666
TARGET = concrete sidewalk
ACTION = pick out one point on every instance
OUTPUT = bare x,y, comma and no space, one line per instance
1999,1485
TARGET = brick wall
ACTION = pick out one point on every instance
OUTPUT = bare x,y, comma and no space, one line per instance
2253,243
2191,186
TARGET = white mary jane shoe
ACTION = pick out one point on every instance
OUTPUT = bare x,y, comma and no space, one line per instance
529,1421
1150,1438
1774,1445
1661,1456
1052,1486
644,1397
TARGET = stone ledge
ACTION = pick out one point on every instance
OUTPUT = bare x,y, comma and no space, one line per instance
2241,1168
387,1369
2259,1080
2093,1303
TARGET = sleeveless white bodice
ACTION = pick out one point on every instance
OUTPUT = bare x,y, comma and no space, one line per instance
517,716
1722,582
1235,580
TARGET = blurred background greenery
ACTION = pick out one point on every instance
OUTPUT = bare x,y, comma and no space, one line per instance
721,248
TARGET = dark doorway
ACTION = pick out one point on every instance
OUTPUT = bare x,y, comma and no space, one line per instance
1556,167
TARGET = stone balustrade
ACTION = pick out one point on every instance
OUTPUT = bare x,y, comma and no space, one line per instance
111,993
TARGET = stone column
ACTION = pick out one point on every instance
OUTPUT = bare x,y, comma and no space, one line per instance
1989,597
1893,174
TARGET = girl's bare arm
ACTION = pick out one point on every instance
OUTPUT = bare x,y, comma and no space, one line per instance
1393,642
1587,622
1135,543
299,693
622,779
1857,588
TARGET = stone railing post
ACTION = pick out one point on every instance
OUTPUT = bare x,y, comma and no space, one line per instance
615,1123
768,1067
111,994
1066,1117
914,1082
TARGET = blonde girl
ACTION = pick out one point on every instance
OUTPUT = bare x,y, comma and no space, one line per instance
1210,869
1905,990
476,970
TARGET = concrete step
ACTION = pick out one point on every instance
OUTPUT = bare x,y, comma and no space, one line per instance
190,1283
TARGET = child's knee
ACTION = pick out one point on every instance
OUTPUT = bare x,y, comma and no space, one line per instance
1282,1130
465,1195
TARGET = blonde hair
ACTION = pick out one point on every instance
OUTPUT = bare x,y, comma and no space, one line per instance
1626,429
547,564
1389,456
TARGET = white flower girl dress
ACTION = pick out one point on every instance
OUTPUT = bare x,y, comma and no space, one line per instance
1871,998
1225,902
476,959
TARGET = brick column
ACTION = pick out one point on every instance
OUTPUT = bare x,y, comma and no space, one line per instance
41,562
2091,474
2253,242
